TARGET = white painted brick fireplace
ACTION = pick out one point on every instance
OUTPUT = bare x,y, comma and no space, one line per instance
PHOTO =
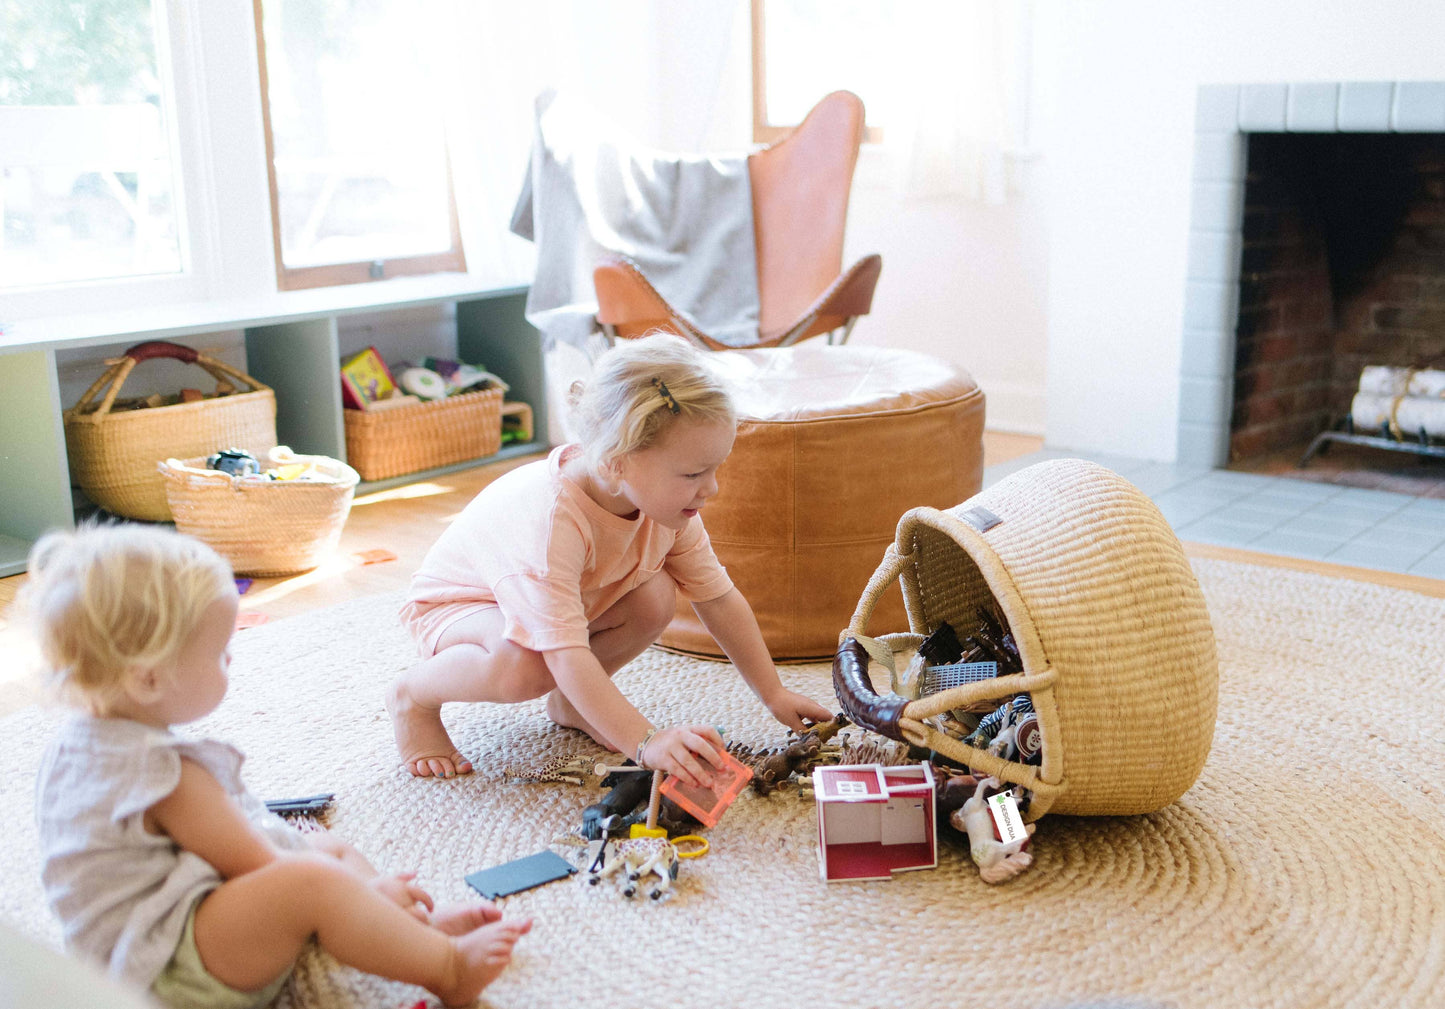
1225,115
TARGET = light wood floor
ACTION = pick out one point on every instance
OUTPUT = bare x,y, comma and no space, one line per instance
407,520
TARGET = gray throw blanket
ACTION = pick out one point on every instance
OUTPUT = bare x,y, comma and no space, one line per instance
685,220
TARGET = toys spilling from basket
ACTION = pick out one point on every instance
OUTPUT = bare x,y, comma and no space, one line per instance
368,383
238,462
158,399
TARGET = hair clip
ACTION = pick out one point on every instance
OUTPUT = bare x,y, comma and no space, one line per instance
667,396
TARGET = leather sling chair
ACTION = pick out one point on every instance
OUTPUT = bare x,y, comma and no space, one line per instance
800,206
834,443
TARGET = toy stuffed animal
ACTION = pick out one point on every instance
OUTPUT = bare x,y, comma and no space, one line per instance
996,861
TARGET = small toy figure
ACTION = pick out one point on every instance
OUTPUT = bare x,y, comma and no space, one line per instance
640,857
996,861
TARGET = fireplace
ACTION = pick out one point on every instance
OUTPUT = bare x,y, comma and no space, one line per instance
1317,245
1342,265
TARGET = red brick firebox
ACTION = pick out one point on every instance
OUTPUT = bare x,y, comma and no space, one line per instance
1342,265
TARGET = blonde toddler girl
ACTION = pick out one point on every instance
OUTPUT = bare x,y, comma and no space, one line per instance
562,571
158,862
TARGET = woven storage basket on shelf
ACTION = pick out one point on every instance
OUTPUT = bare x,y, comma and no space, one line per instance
113,455
263,527
1117,648
404,439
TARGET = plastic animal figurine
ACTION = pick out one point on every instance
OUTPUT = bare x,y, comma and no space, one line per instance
637,858
996,861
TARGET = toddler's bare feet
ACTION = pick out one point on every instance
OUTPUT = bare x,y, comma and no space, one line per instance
459,919
478,957
421,739
560,710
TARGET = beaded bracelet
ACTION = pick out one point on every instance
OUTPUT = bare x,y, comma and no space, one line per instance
643,745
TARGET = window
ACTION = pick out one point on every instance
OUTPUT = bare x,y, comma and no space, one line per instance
88,183
355,140
803,49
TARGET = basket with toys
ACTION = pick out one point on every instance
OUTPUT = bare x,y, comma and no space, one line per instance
279,521
1059,643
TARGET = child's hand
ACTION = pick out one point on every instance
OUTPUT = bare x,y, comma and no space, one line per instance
402,890
692,752
790,709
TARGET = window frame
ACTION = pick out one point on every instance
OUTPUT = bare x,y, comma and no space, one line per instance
765,131
294,278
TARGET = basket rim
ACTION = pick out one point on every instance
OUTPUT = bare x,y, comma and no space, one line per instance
97,418
179,470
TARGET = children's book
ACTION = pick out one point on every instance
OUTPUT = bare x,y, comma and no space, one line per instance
365,379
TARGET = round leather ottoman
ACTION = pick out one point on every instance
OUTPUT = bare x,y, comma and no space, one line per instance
834,445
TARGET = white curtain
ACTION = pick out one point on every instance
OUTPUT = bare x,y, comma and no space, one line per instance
954,103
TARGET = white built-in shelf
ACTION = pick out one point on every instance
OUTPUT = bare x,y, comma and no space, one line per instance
291,345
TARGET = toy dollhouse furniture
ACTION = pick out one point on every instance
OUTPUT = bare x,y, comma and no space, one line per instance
874,820
836,442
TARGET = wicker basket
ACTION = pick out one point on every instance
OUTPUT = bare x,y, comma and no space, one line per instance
113,455
404,439
263,527
1117,647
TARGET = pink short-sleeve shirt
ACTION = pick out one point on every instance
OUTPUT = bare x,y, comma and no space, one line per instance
535,545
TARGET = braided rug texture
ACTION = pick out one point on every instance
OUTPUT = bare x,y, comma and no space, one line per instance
1305,868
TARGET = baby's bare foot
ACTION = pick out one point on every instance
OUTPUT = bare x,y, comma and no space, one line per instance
459,919
478,957
560,710
421,739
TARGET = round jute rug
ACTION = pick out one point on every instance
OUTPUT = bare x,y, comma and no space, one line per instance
1305,868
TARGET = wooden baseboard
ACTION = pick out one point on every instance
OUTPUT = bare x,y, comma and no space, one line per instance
1413,583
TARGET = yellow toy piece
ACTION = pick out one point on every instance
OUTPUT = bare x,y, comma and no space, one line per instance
698,852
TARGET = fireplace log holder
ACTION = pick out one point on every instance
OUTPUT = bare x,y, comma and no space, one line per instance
1344,431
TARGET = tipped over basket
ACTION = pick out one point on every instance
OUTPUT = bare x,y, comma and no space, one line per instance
1115,640
263,527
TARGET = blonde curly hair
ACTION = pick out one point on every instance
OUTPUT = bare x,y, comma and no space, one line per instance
107,599
637,390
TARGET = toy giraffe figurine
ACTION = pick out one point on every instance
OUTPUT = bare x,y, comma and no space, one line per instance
996,861
646,852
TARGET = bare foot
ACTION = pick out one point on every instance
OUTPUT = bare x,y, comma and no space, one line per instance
478,957
421,739
459,919
560,710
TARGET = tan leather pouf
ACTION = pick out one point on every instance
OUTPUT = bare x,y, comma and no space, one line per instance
834,445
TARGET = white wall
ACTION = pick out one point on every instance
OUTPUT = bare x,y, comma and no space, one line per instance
1116,125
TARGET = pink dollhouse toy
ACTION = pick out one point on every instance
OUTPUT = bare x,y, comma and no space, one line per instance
874,820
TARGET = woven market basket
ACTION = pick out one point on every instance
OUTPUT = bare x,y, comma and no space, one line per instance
1116,643
113,454
404,439
263,527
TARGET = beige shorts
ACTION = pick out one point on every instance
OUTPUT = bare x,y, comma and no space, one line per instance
428,623
184,982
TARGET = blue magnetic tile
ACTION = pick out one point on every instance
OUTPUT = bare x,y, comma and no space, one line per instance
1310,108
1375,556
1365,106
1262,107
1419,107
1216,108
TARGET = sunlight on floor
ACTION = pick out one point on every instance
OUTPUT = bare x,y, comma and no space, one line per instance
406,493
334,568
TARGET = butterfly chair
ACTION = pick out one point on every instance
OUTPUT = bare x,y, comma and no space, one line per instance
800,206
834,443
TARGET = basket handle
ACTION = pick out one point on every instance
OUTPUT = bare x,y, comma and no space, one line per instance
118,372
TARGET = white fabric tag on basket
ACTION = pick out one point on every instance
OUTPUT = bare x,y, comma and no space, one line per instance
981,518
1006,817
